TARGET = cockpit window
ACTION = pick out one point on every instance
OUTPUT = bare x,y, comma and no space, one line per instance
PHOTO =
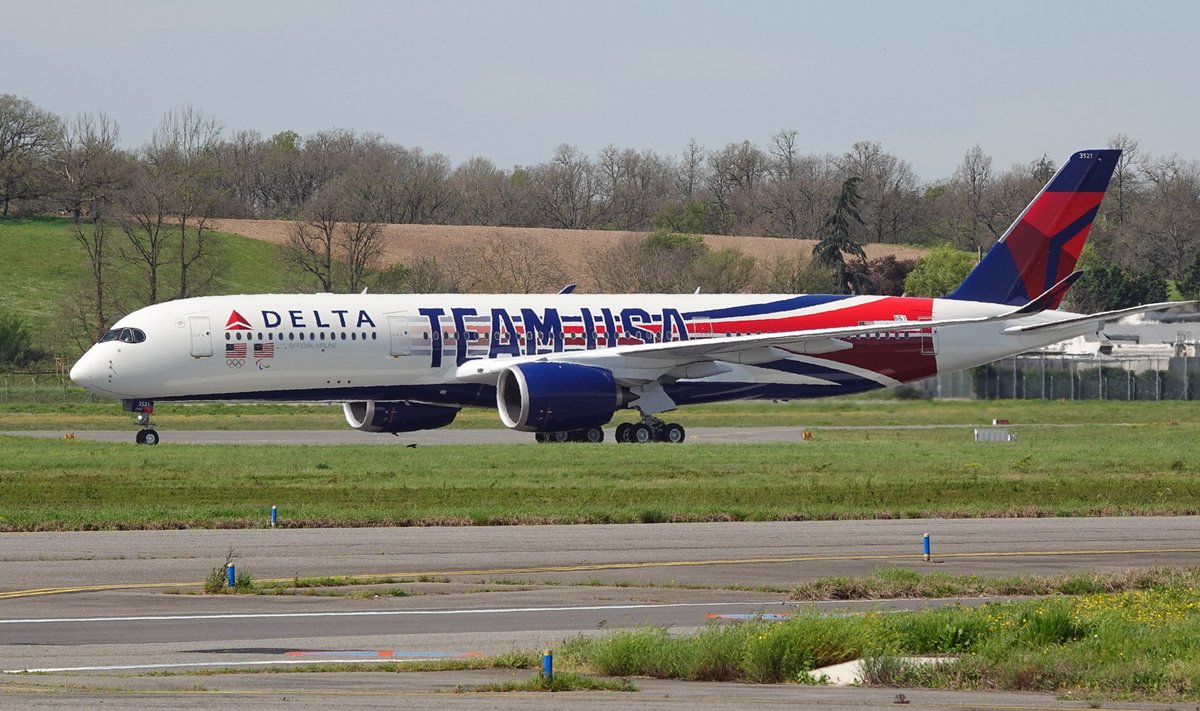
125,335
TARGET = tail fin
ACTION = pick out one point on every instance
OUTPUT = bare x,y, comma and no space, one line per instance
1040,249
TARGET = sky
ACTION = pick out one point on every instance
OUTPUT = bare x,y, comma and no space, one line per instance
512,80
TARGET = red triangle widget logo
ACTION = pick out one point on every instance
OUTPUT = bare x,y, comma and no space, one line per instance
237,322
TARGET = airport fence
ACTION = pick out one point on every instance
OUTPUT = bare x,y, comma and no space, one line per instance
1049,376
41,387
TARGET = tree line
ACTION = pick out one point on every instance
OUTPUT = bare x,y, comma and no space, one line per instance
145,212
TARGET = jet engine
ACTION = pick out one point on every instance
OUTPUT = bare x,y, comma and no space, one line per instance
393,417
552,397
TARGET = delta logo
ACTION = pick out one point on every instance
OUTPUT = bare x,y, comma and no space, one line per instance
237,322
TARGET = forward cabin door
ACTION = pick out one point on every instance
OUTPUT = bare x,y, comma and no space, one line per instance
401,344
201,337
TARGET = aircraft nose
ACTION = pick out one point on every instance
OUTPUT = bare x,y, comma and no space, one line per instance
88,372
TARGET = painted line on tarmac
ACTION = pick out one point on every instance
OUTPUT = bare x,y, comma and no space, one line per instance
589,567
231,663
381,613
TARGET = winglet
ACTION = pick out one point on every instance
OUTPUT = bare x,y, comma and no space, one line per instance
569,288
1050,298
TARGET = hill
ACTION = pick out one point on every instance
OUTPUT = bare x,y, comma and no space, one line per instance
571,250
41,266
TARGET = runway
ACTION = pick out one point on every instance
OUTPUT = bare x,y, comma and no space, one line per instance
92,605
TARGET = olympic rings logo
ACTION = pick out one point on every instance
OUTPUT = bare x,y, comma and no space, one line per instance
235,362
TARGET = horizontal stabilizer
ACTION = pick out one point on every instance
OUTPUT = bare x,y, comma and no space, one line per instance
1098,317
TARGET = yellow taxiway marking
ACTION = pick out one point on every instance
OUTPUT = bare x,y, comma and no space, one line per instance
588,567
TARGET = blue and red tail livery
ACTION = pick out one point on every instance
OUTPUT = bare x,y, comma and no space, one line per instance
1041,248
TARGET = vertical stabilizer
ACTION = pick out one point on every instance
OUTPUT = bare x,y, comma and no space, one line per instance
1041,248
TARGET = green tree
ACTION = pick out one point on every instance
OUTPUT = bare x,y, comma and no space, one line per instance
939,272
693,217
16,345
725,271
1189,283
837,236
1110,287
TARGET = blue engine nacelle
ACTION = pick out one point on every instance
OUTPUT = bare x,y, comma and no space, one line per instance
393,417
551,397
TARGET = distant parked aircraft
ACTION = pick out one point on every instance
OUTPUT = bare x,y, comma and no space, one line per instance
561,365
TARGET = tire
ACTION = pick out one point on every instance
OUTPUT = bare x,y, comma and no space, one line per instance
541,437
594,435
563,436
149,437
140,437
640,434
622,433
674,433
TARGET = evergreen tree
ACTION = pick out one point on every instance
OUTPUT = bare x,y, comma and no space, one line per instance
837,238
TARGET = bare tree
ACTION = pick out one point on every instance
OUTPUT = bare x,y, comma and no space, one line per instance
311,242
1167,229
889,191
512,264
145,214
635,186
339,241
734,179
799,190
29,136
183,154
566,190
689,173
94,171
1125,180
479,185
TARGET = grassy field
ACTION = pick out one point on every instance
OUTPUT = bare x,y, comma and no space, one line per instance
1101,470
41,264
24,414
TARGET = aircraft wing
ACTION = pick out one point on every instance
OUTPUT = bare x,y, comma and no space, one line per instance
646,362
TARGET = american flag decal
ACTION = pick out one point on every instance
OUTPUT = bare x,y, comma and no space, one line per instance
264,350
235,350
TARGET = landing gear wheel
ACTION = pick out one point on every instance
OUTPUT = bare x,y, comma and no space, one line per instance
562,436
541,437
640,434
147,436
673,433
595,435
622,433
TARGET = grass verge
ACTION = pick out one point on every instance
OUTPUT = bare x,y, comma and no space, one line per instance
901,583
516,659
1135,644
842,474
563,681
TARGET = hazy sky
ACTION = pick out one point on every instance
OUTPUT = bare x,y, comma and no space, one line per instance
511,80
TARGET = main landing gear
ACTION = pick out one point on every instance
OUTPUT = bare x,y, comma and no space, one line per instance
144,408
595,435
650,429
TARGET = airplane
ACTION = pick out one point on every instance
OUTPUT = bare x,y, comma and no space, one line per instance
560,366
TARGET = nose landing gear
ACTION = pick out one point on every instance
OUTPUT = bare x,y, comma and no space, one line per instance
144,408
